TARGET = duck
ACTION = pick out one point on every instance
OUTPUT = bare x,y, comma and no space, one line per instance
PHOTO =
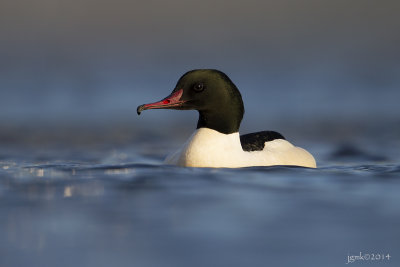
216,142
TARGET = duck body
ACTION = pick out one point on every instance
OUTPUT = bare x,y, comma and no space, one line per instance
216,142
210,148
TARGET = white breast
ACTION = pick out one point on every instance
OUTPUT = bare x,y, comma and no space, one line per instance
210,148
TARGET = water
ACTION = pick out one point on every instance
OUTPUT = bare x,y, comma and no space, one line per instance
81,176
107,203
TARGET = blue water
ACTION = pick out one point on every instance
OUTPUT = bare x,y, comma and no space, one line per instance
81,176
63,203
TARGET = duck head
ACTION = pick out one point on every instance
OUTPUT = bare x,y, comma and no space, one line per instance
212,94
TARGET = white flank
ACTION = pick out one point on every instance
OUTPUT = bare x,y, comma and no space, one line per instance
210,148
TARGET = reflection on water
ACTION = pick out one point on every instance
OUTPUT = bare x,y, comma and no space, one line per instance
81,179
127,213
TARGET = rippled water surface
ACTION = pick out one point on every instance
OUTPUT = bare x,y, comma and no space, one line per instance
82,182
119,205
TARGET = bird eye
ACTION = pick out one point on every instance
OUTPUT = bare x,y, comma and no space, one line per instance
198,87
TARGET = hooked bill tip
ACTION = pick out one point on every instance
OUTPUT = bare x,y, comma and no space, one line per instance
140,109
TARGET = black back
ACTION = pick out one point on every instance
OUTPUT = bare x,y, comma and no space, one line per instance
256,141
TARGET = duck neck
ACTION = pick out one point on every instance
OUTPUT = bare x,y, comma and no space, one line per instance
225,123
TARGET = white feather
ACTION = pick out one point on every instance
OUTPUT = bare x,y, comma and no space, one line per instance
210,148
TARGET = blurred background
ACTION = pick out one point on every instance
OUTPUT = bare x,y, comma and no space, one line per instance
81,180
310,69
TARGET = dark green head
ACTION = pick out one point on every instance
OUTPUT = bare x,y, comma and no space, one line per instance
212,93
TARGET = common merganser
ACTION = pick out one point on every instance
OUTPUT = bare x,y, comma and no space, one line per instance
216,141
